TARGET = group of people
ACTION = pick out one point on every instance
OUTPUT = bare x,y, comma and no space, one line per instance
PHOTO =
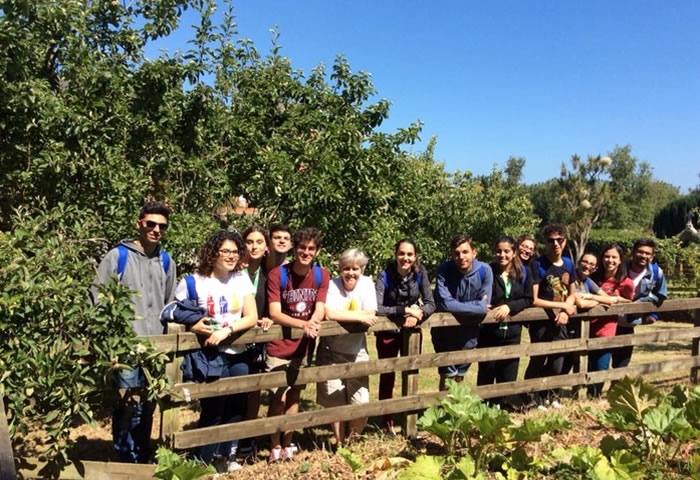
243,280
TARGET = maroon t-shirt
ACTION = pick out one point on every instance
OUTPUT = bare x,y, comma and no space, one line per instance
298,300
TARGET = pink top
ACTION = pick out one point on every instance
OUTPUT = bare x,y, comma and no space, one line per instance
607,326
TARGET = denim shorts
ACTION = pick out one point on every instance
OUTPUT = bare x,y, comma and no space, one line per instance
453,339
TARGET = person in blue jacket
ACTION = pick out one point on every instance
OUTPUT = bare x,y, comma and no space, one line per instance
649,286
463,288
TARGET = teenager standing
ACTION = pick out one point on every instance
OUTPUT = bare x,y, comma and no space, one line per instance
405,297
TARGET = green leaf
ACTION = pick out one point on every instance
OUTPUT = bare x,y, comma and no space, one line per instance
627,466
631,398
424,468
532,429
463,470
353,461
610,444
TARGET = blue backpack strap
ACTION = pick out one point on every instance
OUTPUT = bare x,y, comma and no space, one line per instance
385,279
191,288
655,272
524,275
318,275
121,261
165,259
540,267
419,279
284,277
569,264
482,274
587,282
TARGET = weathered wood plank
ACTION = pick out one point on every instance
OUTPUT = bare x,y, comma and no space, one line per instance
170,414
580,392
92,471
264,381
7,461
695,372
188,341
164,343
409,378
643,369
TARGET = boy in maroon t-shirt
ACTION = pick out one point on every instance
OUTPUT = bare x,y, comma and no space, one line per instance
297,296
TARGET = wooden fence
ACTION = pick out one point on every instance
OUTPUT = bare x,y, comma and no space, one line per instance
178,343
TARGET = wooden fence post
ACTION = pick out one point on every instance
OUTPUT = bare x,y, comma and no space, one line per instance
585,329
409,379
695,371
170,415
7,461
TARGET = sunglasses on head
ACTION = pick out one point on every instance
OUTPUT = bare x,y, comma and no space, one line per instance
150,224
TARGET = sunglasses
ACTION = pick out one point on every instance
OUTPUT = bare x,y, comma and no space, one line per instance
150,224
558,240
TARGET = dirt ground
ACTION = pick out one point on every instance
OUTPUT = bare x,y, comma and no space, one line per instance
315,458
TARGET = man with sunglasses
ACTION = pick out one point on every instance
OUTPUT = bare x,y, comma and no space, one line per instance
553,288
144,266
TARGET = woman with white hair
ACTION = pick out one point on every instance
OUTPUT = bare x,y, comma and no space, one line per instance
351,298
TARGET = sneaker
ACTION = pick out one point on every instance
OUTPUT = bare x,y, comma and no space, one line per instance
232,465
555,404
294,448
542,408
287,453
247,448
220,464
275,455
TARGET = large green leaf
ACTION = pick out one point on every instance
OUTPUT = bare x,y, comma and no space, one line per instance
424,468
631,398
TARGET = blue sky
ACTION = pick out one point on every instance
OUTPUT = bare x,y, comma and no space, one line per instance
537,79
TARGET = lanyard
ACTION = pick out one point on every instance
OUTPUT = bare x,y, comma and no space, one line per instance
257,277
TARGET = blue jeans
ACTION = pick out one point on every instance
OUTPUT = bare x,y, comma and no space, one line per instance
132,421
621,356
224,409
598,360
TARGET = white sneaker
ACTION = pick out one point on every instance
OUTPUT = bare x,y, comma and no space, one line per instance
542,408
556,404
232,465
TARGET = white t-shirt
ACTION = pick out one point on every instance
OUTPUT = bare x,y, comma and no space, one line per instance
636,279
362,297
222,300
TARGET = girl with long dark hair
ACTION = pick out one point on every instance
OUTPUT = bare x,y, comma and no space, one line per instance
512,293
612,279
403,295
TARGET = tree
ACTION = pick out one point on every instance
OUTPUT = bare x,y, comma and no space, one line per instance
635,197
584,191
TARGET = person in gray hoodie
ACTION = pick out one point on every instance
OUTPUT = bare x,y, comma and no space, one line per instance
148,270
463,288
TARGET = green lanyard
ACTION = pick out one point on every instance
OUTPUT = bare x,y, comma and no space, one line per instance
257,277
508,285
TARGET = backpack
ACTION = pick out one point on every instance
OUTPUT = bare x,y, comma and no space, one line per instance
385,279
284,276
191,288
567,263
124,256
655,272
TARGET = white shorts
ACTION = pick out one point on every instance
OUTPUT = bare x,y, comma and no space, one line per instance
346,391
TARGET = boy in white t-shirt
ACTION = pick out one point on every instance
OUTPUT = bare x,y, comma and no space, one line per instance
351,298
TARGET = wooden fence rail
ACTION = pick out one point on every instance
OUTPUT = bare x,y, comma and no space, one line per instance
178,343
